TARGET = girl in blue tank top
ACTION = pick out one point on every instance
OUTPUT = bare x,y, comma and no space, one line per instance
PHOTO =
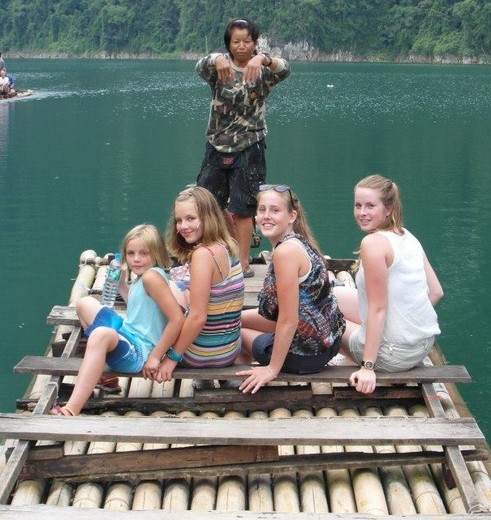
153,321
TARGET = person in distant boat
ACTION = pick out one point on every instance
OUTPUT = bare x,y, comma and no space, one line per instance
213,280
297,327
2,63
153,321
391,322
234,164
4,83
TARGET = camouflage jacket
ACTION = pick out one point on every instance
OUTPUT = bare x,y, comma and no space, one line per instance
237,110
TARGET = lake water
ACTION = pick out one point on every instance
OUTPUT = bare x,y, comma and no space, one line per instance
105,145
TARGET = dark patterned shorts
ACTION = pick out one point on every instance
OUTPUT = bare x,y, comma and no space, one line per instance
262,349
234,178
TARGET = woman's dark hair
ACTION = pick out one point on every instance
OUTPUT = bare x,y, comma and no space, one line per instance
240,24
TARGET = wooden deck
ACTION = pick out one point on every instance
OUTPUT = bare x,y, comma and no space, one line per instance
305,447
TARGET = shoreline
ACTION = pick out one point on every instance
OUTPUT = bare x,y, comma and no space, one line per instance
291,53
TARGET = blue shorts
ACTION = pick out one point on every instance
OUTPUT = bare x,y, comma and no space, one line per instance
392,357
262,347
127,356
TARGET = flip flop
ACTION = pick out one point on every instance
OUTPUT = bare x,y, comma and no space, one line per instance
248,273
61,411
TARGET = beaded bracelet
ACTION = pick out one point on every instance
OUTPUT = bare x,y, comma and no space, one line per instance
173,355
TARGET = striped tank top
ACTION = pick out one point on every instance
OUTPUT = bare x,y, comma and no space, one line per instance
218,343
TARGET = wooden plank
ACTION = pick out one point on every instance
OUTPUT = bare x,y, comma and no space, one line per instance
42,512
332,430
108,465
269,398
62,315
335,374
144,465
11,470
277,394
454,457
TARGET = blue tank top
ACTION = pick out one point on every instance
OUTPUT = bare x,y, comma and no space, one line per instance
144,322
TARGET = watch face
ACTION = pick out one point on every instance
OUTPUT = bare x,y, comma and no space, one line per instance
368,365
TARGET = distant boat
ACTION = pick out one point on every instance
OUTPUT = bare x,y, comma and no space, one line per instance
17,94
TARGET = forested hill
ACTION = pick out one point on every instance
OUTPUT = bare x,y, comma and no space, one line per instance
303,29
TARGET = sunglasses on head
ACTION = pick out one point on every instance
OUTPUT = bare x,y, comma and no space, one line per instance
280,188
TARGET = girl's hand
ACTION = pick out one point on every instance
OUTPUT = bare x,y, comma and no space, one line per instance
224,69
257,377
151,367
363,380
165,370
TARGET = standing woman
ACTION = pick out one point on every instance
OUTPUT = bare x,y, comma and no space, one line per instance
390,320
234,164
198,237
297,327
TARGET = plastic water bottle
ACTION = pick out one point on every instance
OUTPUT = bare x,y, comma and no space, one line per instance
111,284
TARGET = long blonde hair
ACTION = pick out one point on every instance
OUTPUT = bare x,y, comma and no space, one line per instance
152,240
390,197
212,220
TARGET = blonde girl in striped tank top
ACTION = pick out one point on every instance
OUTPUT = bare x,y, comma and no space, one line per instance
199,238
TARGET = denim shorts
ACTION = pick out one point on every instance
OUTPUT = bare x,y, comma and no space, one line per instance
262,348
391,357
127,356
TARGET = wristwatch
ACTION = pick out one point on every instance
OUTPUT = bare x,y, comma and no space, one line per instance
367,364
266,55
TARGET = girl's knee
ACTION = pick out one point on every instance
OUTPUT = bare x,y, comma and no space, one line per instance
87,309
103,338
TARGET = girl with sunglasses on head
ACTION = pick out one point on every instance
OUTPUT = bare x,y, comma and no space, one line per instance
390,320
297,327
198,237
234,164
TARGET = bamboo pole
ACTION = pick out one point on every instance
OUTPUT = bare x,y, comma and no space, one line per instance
231,494
312,486
28,492
341,497
259,485
60,493
451,497
102,266
85,277
88,495
148,496
285,491
368,490
423,488
177,490
477,469
398,495
119,495
204,488
91,494
80,287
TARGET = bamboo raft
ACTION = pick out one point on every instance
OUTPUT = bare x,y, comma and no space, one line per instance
310,446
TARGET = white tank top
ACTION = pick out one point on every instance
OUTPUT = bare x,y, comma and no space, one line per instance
411,317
